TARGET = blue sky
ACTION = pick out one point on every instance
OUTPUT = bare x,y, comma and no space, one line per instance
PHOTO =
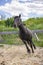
3,2
27,8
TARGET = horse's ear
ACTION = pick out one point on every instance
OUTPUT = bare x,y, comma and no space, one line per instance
19,15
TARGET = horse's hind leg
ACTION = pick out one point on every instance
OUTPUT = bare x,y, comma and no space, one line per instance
31,45
28,50
34,45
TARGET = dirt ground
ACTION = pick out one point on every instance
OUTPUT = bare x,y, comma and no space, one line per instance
17,55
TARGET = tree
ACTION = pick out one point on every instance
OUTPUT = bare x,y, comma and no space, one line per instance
9,22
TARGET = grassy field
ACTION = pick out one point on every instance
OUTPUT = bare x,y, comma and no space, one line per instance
14,39
40,42
32,23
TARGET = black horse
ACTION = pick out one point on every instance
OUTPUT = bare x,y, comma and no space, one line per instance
24,33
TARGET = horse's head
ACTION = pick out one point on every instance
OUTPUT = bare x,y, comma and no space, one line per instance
17,21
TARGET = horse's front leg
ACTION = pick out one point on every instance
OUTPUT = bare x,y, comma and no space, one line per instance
28,50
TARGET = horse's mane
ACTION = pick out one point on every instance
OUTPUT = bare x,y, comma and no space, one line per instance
16,17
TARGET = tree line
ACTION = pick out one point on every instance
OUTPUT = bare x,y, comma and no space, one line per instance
8,22
31,22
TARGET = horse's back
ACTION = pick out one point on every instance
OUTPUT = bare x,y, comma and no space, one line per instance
27,34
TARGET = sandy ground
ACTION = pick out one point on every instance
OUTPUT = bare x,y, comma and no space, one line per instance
17,55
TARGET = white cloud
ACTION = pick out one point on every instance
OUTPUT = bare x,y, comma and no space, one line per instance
38,1
0,16
15,7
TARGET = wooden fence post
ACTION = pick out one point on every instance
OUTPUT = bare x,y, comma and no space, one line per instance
36,37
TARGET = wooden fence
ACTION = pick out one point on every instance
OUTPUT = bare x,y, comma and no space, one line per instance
16,32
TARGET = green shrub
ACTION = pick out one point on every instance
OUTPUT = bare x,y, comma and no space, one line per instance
9,22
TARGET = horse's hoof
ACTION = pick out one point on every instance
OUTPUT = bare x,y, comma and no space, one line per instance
32,51
28,51
34,47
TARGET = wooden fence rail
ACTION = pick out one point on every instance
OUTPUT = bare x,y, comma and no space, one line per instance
9,32
16,32
37,31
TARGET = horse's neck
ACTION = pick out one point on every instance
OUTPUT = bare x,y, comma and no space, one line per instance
21,28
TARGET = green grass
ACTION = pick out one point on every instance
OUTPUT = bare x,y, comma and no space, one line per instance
11,39
14,39
32,23
4,28
40,42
